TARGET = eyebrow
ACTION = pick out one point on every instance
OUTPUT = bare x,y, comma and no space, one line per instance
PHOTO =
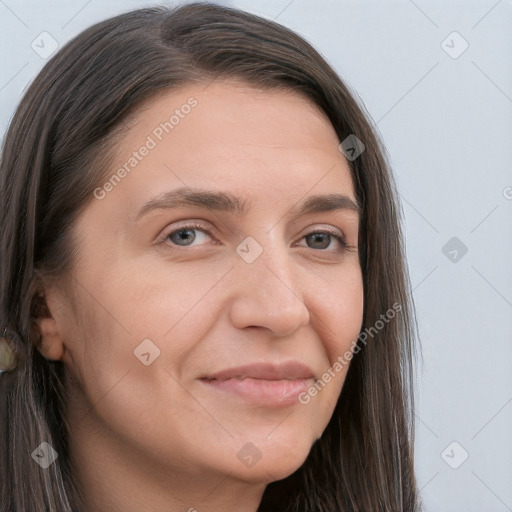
186,196
226,202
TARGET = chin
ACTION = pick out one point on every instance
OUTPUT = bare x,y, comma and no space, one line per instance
279,459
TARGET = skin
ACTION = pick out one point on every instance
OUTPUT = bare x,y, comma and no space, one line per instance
156,437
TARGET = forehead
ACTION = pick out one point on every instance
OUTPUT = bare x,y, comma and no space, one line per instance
269,142
229,112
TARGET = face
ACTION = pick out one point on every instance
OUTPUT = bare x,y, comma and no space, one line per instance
218,278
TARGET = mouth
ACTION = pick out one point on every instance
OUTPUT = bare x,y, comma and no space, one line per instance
263,384
291,370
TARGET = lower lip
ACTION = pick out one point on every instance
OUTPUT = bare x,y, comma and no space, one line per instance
271,393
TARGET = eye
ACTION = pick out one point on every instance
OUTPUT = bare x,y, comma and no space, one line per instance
185,236
190,235
324,239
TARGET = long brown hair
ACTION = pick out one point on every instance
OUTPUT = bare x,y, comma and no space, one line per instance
57,151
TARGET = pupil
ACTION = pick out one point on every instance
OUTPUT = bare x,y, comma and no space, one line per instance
183,235
320,240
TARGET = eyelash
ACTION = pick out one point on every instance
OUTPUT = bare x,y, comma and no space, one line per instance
199,227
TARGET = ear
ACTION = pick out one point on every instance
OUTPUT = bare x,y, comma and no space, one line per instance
45,332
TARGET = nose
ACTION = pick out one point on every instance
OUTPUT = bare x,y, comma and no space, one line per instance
268,294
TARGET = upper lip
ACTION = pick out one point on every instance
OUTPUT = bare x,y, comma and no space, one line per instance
290,370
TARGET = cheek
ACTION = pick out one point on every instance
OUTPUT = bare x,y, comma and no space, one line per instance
152,300
338,311
159,296
139,328
340,306
127,353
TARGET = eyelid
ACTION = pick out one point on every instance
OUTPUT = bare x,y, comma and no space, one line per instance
186,224
200,226
330,230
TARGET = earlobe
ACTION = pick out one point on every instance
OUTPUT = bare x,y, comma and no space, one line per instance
50,343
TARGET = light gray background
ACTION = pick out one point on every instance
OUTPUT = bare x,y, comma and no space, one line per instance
446,123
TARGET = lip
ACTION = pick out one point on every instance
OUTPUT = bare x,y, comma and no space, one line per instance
262,383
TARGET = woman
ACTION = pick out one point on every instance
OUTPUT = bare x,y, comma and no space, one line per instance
205,303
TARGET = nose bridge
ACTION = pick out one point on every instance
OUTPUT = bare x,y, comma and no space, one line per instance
269,292
269,263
